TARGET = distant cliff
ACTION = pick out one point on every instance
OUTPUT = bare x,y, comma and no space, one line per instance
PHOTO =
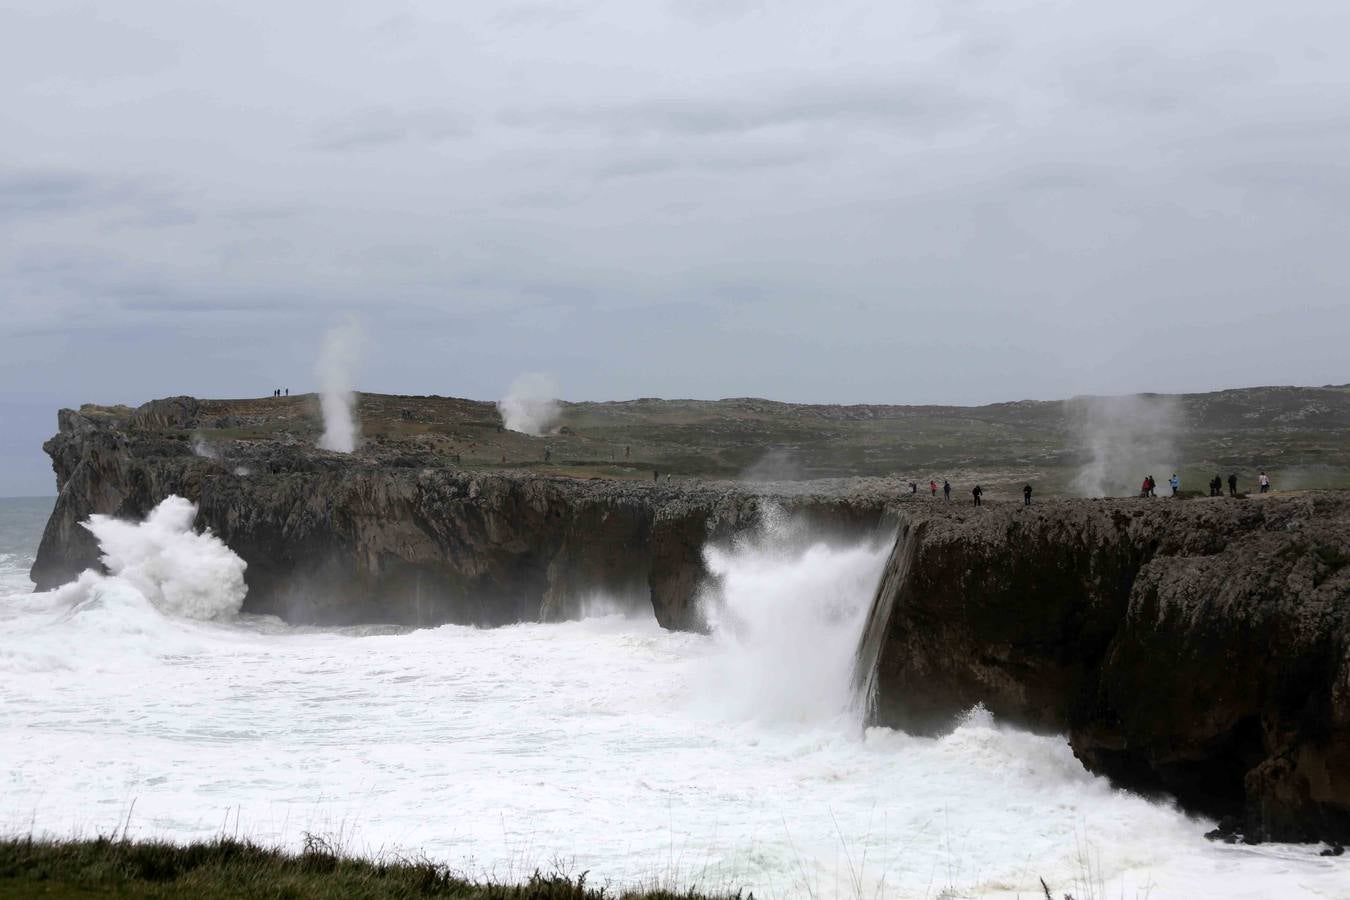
1198,647
398,534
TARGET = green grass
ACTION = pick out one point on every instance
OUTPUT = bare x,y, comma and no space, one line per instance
228,868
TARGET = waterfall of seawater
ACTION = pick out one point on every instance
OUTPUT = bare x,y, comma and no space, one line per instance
788,608
894,578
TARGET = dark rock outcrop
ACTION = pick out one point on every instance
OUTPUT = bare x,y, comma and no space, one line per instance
395,535
1200,648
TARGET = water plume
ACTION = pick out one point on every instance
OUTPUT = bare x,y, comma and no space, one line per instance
201,448
338,360
789,608
161,562
530,405
1125,438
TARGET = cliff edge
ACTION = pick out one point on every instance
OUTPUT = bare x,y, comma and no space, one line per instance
1198,647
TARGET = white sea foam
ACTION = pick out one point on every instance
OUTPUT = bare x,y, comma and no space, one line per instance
608,744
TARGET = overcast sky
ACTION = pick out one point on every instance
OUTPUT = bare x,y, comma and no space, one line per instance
947,201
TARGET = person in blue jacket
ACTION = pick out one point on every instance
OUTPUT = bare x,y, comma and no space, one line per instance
1175,482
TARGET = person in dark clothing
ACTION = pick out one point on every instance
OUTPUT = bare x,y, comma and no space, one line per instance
1232,484
976,492
655,475
913,487
947,490
548,454
1215,486
1026,495
288,392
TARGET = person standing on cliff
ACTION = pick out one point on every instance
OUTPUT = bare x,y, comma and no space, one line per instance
1175,482
976,492
947,490
1026,495
1232,484
932,486
1264,481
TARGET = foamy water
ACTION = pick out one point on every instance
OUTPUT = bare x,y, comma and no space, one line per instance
723,761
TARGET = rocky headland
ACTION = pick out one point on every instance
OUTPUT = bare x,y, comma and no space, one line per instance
1197,647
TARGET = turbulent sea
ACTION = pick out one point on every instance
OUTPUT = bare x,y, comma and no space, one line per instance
143,701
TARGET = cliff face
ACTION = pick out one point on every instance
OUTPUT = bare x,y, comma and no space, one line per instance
396,536
1197,647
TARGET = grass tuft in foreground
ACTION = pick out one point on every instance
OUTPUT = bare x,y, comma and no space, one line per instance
228,868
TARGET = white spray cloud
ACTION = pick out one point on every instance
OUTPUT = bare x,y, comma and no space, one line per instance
162,562
530,406
336,371
201,448
788,610
1125,438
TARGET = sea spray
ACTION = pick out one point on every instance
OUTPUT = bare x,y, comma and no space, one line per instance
500,750
335,369
175,569
530,405
1124,438
789,609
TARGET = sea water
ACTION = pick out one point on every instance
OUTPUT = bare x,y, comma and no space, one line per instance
143,703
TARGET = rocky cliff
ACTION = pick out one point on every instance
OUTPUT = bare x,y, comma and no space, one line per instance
397,533
1197,647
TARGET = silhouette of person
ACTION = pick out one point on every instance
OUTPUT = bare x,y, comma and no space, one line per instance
1232,485
977,492
1026,495
947,490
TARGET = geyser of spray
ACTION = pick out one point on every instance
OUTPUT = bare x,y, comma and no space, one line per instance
530,406
162,562
201,448
1125,438
789,609
336,372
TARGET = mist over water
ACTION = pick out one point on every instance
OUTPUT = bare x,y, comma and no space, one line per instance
339,358
726,760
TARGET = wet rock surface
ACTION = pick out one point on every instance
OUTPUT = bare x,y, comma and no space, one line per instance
1199,648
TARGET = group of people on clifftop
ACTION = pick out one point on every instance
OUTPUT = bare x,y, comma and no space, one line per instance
976,493
1150,486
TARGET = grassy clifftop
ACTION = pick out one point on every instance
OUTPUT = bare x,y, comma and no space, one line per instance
1300,434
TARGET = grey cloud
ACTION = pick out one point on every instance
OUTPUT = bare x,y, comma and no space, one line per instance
372,128
30,193
917,108
535,15
731,161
